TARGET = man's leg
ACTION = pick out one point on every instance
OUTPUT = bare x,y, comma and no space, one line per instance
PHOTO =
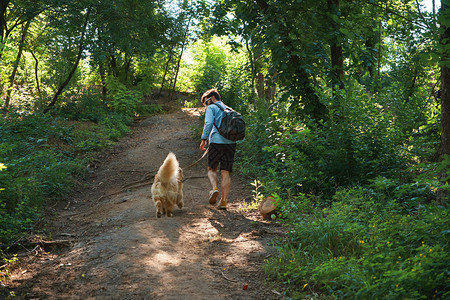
226,183
212,175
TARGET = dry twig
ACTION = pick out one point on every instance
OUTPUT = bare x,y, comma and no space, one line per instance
232,280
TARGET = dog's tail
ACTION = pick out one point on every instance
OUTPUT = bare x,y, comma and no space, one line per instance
169,168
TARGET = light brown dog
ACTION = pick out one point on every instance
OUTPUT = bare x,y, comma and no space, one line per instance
167,189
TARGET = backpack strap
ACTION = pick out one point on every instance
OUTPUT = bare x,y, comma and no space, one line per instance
221,108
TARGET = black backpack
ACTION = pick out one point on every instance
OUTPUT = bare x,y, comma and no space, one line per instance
232,126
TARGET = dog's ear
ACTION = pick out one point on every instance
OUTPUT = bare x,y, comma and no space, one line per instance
180,173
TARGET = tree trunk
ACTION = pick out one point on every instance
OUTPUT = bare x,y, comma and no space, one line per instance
101,68
411,89
434,12
165,71
445,111
369,45
127,67
177,70
260,85
16,64
3,6
337,63
75,65
252,66
3,29
379,50
102,78
270,87
36,63
113,65
445,93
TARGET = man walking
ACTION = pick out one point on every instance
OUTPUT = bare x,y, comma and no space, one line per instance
220,151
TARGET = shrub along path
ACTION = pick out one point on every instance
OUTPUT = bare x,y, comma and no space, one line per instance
118,249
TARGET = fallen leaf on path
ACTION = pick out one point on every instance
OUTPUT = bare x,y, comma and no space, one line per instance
278,293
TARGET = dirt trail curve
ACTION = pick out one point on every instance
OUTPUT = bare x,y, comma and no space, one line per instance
119,250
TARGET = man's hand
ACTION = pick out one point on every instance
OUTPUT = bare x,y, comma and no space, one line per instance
203,145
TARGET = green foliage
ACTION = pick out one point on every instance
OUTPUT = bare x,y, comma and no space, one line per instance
354,170
359,206
236,81
34,170
197,128
84,107
41,40
42,153
115,125
354,146
256,199
8,263
148,109
364,246
190,104
260,126
148,73
216,64
124,100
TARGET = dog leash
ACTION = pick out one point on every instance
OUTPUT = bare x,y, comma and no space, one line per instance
204,154
198,160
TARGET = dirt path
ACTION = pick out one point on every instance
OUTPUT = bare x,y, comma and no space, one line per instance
119,250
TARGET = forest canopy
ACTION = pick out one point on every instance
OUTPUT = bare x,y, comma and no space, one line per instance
347,107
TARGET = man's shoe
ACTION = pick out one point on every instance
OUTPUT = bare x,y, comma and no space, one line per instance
213,196
223,204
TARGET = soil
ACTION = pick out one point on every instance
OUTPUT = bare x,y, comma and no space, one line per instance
108,243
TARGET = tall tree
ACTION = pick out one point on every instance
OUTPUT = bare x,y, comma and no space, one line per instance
183,46
284,29
81,47
445,79
15,20
13,14
16,62
124,29
337,61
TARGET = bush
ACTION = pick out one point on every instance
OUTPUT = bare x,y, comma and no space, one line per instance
357,193
365,247
260,127
39,168
148,109
86,107
122,100
42,153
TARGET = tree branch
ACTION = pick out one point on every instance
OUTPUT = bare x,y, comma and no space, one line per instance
398,15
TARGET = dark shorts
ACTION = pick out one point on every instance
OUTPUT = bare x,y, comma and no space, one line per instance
223,154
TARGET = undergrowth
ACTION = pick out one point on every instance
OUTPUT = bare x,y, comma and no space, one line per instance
41,154
360,197
363,246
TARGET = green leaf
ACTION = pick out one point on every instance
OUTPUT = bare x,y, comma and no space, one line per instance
345,32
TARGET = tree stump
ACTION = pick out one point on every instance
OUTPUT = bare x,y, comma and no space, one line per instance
267,207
